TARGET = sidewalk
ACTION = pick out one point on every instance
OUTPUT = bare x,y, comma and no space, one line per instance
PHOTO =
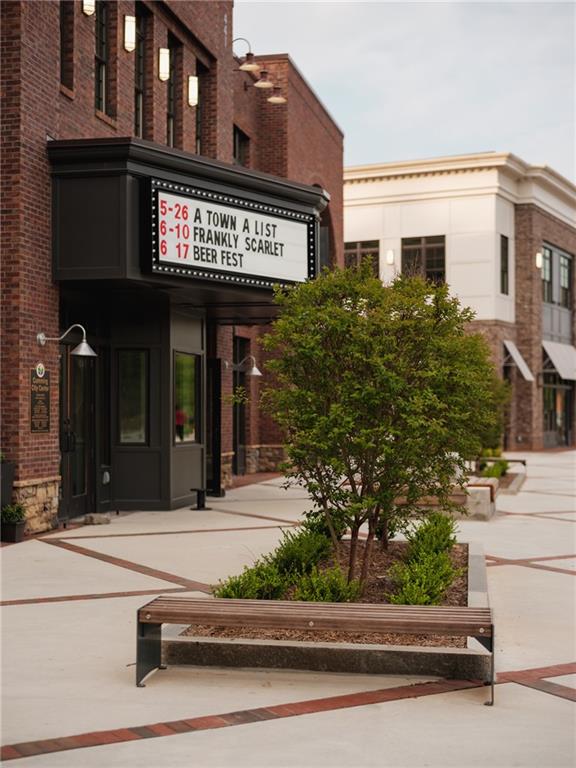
68,638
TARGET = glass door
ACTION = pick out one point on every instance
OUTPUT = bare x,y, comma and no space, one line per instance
76,434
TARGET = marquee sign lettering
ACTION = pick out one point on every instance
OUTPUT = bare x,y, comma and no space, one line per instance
219,237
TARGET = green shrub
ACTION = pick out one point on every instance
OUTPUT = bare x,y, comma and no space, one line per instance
13,513
497,469
260,582
435,535
329,586
315,522
423,581
299,552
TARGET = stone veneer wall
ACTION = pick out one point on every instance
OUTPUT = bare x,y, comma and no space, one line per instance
40,499
226,469
264,458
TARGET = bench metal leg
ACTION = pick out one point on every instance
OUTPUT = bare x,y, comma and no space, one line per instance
148,650
490,644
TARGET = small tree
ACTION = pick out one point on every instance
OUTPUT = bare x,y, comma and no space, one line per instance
382,396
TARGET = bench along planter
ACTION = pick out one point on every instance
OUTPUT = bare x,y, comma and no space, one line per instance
473,621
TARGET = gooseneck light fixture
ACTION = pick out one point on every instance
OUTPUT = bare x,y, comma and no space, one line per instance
276,96
82,350
248,65
247,365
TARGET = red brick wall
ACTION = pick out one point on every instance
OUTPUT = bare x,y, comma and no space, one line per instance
534,227
35,107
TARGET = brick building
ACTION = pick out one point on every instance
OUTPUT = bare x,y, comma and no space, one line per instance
502,234
151,194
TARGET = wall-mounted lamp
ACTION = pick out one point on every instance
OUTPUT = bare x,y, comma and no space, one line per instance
539,260
164,64
276,96
88,7
192,91
248,65
82,350
247,365
263,81
130,33
390,257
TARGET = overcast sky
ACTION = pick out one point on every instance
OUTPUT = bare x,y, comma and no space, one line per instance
408,80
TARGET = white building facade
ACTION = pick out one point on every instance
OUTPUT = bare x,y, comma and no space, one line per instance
478,223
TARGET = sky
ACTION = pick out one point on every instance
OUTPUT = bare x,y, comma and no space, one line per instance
409,80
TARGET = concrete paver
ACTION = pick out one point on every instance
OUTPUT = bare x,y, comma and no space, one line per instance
68,666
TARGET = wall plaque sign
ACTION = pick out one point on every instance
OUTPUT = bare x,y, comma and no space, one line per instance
219,237
39,399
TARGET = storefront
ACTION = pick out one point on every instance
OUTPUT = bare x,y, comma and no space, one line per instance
154,250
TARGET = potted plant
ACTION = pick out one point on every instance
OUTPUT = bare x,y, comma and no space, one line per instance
13,518
7,480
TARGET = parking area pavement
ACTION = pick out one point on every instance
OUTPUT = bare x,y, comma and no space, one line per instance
69,603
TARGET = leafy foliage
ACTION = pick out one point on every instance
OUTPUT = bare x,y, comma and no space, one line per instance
13,513
328,586
423,580
435,535
299,552
316,521
382,394
262,581
496,469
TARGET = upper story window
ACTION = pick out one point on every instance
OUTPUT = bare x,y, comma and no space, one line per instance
102,63
202,75
140,73
241,147
356,253
565,281
173,104
425,256
504,266
547,292
67,43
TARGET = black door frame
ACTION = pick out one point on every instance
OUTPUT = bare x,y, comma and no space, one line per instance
74,506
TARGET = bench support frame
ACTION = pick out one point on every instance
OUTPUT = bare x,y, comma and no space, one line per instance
148,650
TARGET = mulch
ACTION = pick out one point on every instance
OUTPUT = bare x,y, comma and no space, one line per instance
377,589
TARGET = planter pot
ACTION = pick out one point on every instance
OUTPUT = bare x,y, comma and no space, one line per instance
7,482
13,532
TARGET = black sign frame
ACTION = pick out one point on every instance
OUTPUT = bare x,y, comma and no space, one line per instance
230,278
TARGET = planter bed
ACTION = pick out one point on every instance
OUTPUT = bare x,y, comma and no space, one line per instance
342,652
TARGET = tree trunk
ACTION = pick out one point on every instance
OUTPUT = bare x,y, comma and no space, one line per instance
335,542
366,558
353,552
385,539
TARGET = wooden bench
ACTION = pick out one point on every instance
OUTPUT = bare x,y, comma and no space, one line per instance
282,614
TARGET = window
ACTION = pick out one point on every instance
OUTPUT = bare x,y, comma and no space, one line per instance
132,397
140,73
202,75
173,105
565,281
425,256
547,294
241,147
504,267
67,43
102,72
186,379
356,253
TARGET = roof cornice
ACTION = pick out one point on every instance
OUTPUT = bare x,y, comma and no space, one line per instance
506,162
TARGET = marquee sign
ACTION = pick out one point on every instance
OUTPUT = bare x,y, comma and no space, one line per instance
214,236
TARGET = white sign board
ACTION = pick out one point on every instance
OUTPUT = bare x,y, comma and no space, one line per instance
219,238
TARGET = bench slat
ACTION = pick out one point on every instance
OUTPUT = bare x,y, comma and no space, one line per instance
352,617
